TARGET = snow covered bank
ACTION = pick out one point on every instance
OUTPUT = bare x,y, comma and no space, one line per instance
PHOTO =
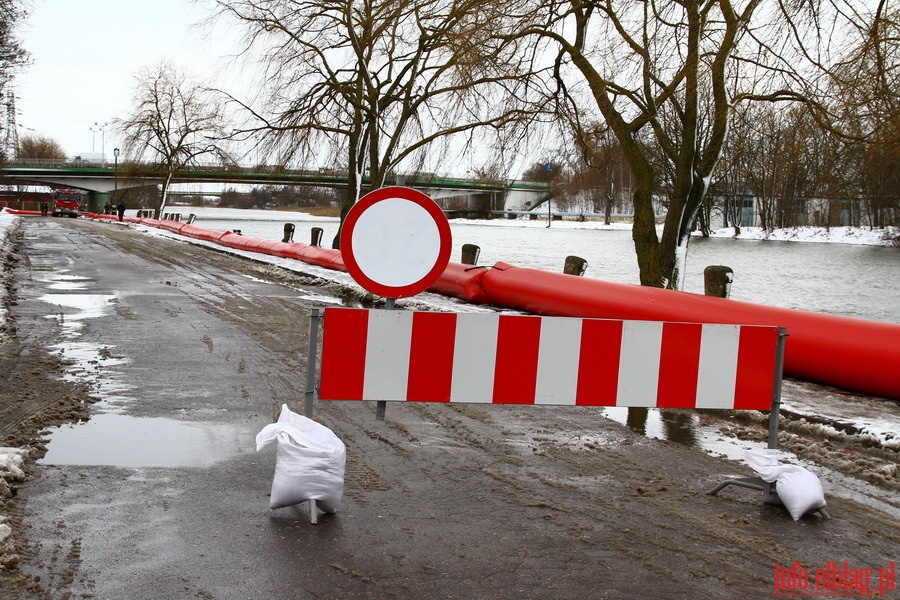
889,236
8,224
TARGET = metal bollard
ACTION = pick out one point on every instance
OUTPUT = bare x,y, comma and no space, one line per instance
191,218
717,281
316,235
288,233
575,265
470,253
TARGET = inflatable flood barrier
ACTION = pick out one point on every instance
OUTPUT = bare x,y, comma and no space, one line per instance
854,354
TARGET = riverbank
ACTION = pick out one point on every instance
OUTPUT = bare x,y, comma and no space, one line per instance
889,236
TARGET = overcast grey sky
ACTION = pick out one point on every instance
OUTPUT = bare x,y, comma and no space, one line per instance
86,54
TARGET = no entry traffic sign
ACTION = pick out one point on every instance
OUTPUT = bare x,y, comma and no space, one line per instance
395,242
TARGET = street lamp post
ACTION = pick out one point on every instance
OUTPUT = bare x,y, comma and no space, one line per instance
102,129
116,174
548,167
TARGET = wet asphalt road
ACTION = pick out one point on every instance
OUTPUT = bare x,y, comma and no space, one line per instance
440,501
157,334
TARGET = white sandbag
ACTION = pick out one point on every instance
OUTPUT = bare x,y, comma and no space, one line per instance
764,462
798,489
309,464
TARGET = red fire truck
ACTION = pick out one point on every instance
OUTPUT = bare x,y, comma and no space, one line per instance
66,203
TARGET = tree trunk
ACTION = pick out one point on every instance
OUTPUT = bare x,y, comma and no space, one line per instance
164,193
643,233
607,215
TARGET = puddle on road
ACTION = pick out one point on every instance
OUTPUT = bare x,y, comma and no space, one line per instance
89,306
137,442
67,282
111,438
678,427
682,427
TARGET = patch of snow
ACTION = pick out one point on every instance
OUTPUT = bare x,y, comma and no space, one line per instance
11,461
8,222
834,235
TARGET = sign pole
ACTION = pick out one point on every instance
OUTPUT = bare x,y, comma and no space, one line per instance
381,405
395,242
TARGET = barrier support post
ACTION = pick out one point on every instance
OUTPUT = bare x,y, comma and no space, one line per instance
311,357
758,483
381,405
310,396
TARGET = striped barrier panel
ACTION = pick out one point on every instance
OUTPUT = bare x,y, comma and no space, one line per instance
390,355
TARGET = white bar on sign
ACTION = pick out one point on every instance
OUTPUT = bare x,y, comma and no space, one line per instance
557,366
717,372
387,355
474,357
639,363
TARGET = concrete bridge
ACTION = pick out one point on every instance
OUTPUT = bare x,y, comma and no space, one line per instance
100,178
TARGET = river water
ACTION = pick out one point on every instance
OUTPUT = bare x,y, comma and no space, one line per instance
852,280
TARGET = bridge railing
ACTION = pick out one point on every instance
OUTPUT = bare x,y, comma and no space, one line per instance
269,174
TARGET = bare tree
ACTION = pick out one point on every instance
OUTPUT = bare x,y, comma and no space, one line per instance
867,99
802,169
600,167
655,66
175,122
380,83
666,75
39,146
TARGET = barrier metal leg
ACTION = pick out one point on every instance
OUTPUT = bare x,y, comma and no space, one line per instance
311,363
757,483
753,483
313,512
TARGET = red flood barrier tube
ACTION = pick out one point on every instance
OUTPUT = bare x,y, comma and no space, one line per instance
249,244
854,354
167,224
461,281
200,233
22,212
314,255
327,258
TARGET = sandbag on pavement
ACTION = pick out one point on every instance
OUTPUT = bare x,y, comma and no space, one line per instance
310,461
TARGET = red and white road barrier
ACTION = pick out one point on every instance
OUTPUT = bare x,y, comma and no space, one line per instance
509,359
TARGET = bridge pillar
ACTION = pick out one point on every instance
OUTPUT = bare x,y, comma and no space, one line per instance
478,206
96,201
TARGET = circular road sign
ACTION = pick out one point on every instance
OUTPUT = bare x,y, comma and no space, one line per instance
395,242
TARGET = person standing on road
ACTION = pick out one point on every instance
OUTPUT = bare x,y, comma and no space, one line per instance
120,208
44,208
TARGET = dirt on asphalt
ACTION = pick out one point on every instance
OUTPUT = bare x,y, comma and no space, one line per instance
461,501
